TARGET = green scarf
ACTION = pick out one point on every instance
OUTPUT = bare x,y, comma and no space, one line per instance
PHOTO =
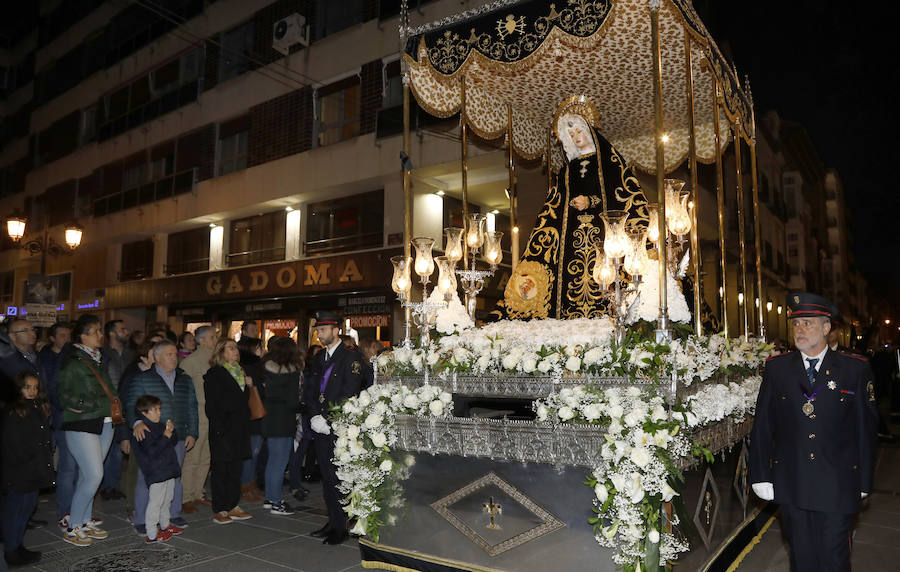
237,372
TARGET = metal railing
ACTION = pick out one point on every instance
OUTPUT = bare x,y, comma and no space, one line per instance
255,256
344,243
186,266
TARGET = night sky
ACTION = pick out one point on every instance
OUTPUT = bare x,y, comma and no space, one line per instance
828,65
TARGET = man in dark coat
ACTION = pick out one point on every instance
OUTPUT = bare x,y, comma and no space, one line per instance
22,358
813,440
337,374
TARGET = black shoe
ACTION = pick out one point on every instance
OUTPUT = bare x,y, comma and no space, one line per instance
35,523
301,494
322,532
335,537
13,558
30,556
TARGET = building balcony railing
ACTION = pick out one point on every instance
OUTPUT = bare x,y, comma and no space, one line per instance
345,243
149,111
255,256
135,274
177,184
187,266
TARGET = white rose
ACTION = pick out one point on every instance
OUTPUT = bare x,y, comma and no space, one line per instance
592,356
417,361
510,361
573,363
658,413
616,411
446,397
634,391
529,365
340,444
615,427
384,359
566,413
635,488
379,439
372,421
436,407
640,457
352,432
545,366
484,361
633,418
432,358
618,482
345,458
364,400
411,401
690,419
653,536
385,465
542,412
601,492
592,412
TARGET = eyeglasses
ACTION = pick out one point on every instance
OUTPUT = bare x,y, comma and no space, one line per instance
25,331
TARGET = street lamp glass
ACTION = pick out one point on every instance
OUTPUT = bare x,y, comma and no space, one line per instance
15,227
73,236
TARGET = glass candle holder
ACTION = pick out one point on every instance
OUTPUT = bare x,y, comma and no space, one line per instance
653,224
446,282
493,252
604,270
424,264
615,238
475,232
453,243
400,282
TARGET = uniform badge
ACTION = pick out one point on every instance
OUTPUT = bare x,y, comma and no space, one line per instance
796,299
832,385
870,387
354,369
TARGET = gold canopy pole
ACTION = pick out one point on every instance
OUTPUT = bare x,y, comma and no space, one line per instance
464,164
663,333
756,230
513,229
739,179
720,203
692,166
407,192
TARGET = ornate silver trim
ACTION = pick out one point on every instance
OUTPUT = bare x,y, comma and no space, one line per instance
521,386
549,523
459,17
529,442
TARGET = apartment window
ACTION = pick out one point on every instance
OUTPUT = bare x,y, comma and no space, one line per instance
88,130
339,109
348,223
134,176
792,252
7,287
332,17
257,239
137,260
792,236
188,251
233,136
237,49
393,85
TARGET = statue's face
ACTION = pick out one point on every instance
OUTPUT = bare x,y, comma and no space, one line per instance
578,132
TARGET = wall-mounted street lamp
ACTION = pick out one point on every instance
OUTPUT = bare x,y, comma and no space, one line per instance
44,244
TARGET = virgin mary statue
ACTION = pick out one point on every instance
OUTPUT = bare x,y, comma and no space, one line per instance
553,277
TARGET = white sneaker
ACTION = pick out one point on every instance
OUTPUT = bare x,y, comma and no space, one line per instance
78,536
281,508
95,531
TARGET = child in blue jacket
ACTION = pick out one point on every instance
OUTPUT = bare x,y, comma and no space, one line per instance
157,459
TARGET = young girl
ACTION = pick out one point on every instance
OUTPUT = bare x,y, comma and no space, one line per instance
26,464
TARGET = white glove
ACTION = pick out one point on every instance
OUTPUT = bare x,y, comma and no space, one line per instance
319,425
863,495
765,491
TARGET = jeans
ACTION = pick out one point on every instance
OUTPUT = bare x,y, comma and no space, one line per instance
279,453
112,468
158,506
248,472
66,475
142,492
17,509
89,451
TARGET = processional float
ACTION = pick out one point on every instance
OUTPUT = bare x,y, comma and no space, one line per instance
664,96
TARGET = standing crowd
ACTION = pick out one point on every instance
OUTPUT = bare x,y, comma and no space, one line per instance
98,411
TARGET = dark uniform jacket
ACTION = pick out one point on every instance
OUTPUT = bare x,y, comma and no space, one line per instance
823,461
229,416
344,380
156,453
26,450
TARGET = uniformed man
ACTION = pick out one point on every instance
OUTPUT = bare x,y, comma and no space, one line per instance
337,374
813,441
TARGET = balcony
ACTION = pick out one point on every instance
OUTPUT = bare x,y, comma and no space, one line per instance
177,184
259,256
135,274
187,266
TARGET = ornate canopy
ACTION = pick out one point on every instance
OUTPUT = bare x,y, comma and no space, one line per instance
533,54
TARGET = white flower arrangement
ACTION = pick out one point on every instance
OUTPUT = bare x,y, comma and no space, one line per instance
575,347
635,474
366,430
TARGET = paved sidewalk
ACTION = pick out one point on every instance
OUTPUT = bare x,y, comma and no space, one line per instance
265,542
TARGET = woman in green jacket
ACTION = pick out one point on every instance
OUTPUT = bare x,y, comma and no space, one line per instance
87,422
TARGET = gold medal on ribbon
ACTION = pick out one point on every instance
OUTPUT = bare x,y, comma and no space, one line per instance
322,398
807,408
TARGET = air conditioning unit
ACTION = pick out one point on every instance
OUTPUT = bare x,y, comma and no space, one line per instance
290,31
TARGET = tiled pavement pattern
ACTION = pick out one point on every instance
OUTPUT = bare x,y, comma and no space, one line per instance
265,542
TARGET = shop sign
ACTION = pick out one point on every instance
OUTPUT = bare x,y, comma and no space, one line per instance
375,321
41,315
281,324
285,277
262,307
95,304
364,305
